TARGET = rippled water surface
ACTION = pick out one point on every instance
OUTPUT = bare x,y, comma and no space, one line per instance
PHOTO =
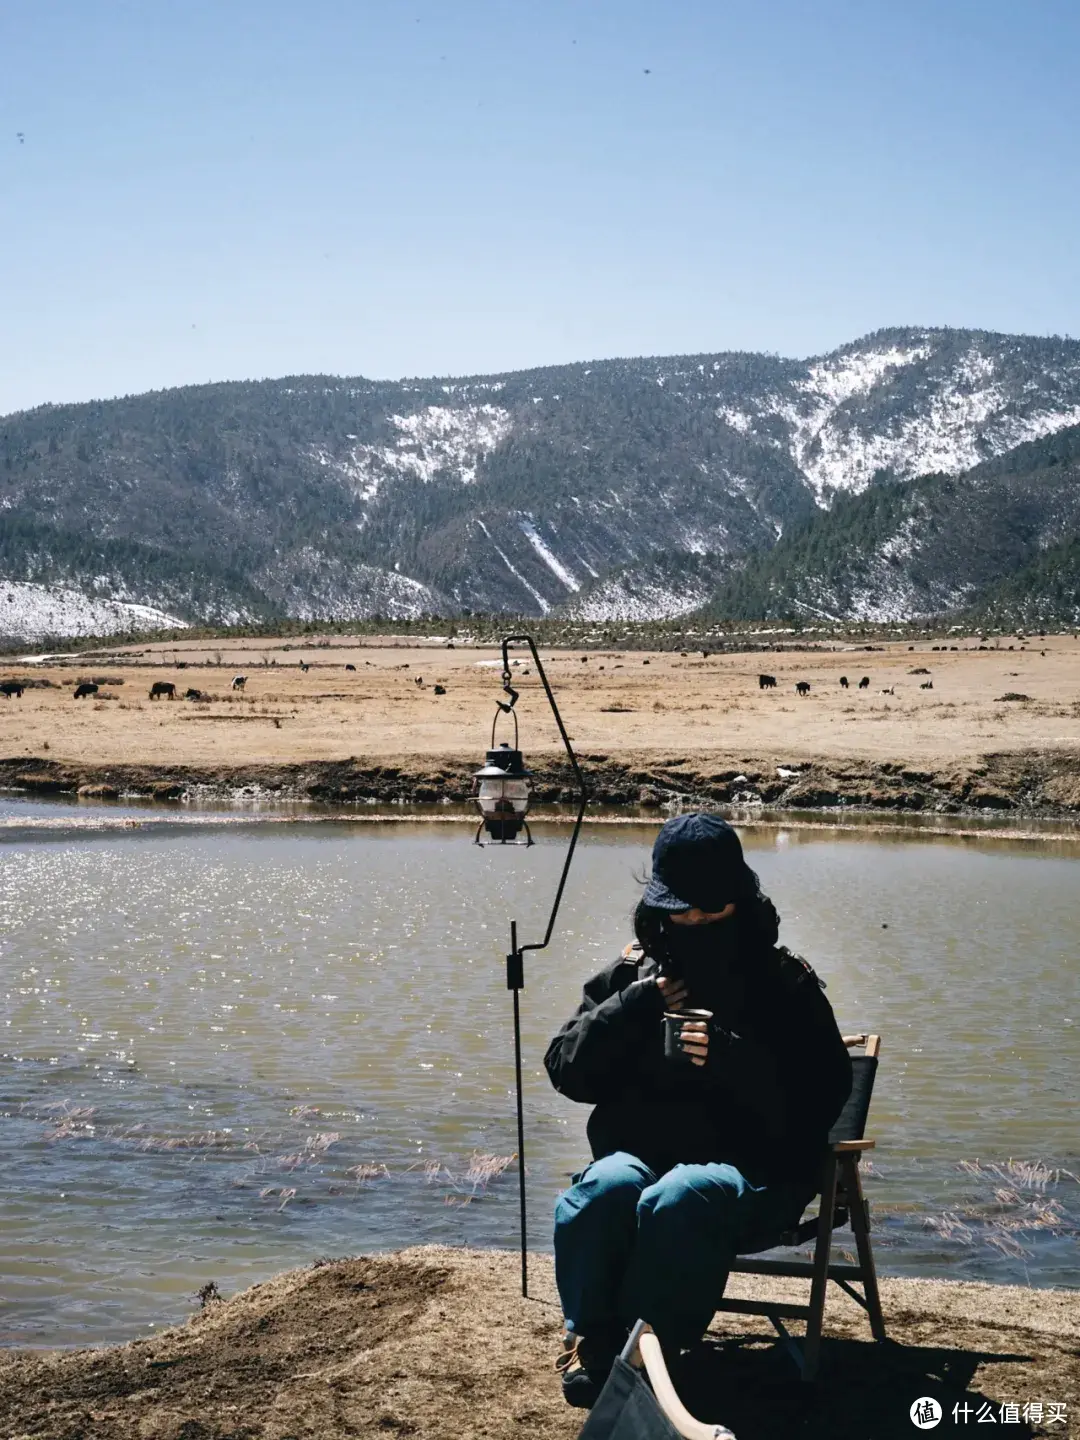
224,1051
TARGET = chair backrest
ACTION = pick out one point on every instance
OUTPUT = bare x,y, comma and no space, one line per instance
851,1122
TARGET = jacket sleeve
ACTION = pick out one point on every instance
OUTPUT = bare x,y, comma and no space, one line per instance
815,1071
597,1050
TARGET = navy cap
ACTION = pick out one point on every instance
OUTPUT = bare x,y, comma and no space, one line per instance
696,864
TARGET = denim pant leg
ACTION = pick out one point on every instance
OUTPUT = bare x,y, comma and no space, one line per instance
595,1229
691,1225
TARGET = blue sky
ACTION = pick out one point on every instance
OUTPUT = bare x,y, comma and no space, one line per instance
222,189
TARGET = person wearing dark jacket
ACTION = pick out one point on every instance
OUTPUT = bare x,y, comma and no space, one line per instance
704,1155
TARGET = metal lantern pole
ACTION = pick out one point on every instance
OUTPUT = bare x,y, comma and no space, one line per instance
515,961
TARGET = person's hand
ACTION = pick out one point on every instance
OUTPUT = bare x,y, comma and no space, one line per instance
673,990
694,1038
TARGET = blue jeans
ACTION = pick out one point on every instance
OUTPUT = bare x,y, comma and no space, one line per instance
630,1246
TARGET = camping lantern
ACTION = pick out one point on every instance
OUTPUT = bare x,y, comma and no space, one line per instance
502,790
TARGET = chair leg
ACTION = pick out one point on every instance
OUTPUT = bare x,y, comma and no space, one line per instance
861,1226
820,1281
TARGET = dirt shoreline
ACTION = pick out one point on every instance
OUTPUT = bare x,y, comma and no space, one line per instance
1025,783
437,1342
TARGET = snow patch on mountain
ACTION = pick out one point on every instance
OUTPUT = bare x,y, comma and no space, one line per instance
829,385
541,600
311,585
632,597
547,555
438,440
737,419
832,382
967,419
441,438
29,612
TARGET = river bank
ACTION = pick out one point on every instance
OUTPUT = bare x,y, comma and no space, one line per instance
1026,783
438,1341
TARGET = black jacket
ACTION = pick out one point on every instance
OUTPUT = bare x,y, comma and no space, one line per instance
777,1076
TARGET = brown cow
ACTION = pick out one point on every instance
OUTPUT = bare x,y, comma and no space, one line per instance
162,687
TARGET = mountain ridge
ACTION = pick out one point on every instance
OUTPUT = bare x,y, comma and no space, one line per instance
608,489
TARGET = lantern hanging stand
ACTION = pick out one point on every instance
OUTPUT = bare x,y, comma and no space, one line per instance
507,783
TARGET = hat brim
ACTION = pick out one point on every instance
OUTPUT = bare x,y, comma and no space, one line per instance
659,897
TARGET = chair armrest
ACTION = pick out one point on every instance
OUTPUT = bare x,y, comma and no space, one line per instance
845,1147
652,1358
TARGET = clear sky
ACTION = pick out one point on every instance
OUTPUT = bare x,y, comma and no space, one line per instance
223,189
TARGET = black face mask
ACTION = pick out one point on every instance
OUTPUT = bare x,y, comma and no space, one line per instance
702,955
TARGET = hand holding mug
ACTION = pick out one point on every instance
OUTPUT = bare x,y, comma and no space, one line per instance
694,1041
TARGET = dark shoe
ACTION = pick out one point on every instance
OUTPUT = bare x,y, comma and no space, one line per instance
584,1366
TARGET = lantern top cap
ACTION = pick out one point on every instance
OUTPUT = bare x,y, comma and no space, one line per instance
504,760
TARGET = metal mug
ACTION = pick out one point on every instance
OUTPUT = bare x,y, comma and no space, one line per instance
674,1020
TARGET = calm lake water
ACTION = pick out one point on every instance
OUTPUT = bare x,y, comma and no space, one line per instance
225,1051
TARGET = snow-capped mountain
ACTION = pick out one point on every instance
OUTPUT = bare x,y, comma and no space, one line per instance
617,488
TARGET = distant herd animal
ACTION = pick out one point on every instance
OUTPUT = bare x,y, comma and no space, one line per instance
86,688
8,688
162,687
239,681
802,687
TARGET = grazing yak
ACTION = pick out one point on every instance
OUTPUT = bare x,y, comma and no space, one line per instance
889,691
440,689
350,667
11,687
864,683
803,687
162,687
927,685
304,666
195,695
844,681
86,688
766,682
239,681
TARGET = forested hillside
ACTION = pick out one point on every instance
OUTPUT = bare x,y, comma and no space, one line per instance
1004,535
633,488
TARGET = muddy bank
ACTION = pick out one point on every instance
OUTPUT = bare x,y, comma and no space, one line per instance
438,1342
1021,782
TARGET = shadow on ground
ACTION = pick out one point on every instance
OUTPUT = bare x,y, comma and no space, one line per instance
749,1384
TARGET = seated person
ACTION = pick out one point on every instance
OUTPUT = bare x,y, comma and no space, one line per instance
706,1155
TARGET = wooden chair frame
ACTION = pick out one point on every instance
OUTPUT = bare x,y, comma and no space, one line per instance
842,1203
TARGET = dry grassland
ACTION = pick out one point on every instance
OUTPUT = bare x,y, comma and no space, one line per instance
616,701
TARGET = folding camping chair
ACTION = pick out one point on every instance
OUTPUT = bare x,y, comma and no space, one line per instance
627,1411
842,1203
